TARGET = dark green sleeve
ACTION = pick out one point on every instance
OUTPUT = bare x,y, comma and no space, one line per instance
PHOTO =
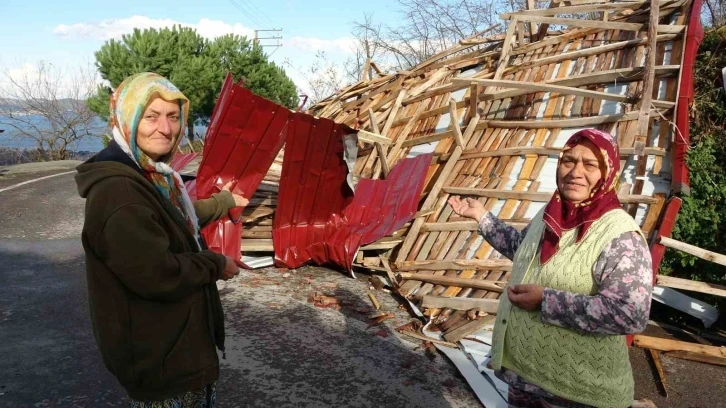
214,207
135,247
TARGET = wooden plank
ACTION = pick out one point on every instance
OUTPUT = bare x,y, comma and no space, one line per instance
532,87
530,124
469,328
458,264
642,134
538,197
382,153
394,112
448,280
685,355
561,123
692,286
540,151
618,75
458,137
675,345
573,9
655,355
426,338
462,226
370,137
589,51
532,25
257,245
473,101
485,305
506,49
694,250
387,244
604,25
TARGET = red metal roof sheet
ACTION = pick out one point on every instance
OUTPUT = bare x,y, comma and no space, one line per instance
244,136
318,218
181,160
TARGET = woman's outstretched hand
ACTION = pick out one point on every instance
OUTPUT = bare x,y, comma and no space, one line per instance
467,207
239,200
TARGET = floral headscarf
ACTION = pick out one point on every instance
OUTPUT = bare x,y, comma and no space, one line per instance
561,215
128,103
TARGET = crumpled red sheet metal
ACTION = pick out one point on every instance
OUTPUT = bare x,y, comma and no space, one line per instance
318,218
245,134
181,160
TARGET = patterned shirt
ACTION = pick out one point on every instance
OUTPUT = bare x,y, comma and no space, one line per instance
623,274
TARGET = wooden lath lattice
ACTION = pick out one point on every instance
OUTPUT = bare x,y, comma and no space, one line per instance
495,111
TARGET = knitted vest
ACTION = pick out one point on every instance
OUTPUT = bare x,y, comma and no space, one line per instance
587,368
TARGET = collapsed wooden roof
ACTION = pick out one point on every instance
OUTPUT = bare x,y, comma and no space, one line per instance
495,111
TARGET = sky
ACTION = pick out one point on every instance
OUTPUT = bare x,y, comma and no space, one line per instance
66,34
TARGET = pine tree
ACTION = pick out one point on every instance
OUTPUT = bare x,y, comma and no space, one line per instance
197,66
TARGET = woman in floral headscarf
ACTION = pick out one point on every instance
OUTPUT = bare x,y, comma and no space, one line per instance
155,308
581,280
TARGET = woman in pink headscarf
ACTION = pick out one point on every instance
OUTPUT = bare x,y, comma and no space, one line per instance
581,280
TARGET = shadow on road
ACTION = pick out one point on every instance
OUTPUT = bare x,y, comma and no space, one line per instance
288,355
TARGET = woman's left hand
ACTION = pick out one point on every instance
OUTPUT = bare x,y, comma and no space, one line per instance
526,297
239,200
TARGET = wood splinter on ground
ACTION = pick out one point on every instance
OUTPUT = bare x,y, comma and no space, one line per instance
375,301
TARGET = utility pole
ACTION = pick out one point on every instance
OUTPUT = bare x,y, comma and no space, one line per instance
273,41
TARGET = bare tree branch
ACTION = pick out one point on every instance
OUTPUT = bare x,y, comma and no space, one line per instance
47,106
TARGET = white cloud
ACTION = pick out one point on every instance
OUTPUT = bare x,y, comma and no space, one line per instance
115,28
45,80
300,49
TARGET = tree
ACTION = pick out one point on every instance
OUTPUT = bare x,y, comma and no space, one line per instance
197,66
323,78
47,106
425,27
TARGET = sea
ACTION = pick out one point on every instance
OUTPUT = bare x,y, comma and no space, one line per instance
11,139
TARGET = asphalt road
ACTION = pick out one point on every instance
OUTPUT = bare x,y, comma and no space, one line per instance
282,351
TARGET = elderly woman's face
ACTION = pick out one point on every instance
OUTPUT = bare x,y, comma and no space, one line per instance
579,172
158,128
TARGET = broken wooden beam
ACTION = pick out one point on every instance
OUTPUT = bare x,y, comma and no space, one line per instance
667,345
370,137
469,328
532,196
693,250
687,355
655,355
452,281
461,303
692,286
458,136
534,87
604,25
456,264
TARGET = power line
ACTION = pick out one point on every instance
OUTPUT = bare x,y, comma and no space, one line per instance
251,17
259,12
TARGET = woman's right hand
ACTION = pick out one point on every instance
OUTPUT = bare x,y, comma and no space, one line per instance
467,207
230,270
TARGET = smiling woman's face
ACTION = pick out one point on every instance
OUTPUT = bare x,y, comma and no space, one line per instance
158,128
579,171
